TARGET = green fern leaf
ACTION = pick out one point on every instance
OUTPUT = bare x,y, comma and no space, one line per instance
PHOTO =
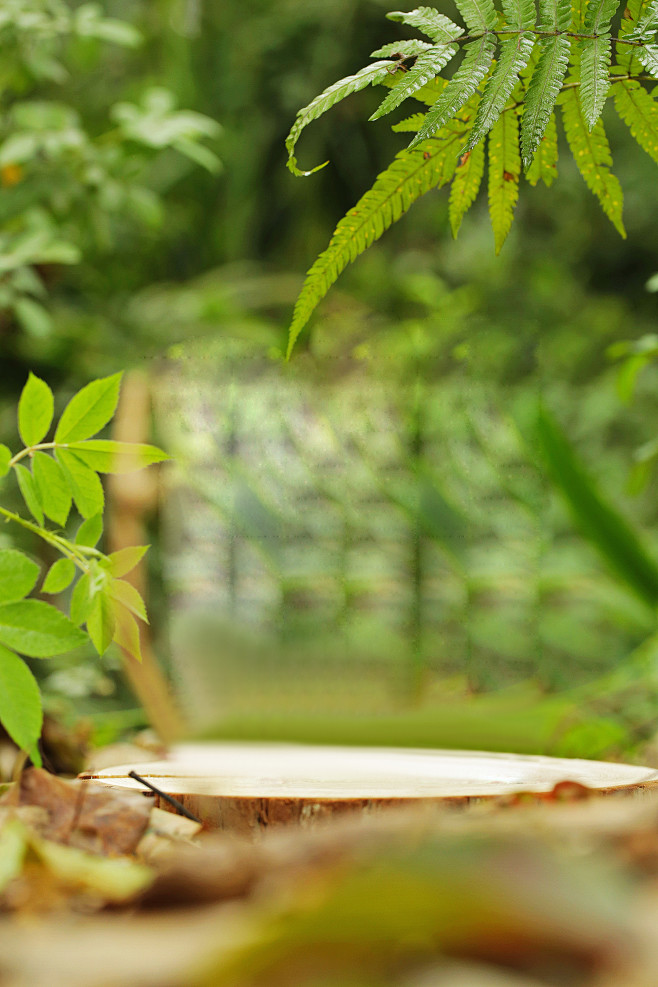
554,15
368,76
504,172
401,49
428,65
410,125
479,15
639,111
543,91
465,186
626,54
520,14
646,23
594,80
514,55
591,153
410,175
428,20
461,87
647,56
598,15
544,163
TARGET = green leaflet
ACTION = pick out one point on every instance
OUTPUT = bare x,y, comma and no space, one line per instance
368,76
89,410
81,600
410,125
90,531
626,55
124,561
647,22
504,173
520,14
542,93
126,594
428,65
595,57
648,58
554,15
85,487
436,26
639,111
18,575
52,488
60,575
29,492
479,15
411,174
126,633
591,153
37,629
5,459
461,87
544,163
514,55
109,456
465,186
35,410
100,622
20,702
401,49
598,16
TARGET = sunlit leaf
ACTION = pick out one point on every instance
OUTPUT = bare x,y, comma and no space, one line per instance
20,706
18,575
35,411
37,629
89,410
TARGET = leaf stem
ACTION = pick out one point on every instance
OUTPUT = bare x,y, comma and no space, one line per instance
76,553
36,448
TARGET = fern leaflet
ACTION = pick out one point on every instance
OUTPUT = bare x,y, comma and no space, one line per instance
479,15
626,54
465,186
410,175
647,23
504,172
598,16
410,125
594,80
401,49
428,20
514,55
639,111
542,93
554,15
461,87
520,14
544,163
591,153
648,58
368,76
427,67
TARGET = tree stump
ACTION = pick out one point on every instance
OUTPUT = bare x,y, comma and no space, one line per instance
245,788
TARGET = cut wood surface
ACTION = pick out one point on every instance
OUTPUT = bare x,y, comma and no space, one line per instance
246,787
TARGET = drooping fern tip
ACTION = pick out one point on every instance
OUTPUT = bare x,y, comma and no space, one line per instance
522,68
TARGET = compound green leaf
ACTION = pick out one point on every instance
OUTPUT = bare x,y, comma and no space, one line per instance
90,531
514,55
368,76
89,410
520,14
18,575
410,125
59,577
504,174
465,186
598,16
626,55
5,459
554,15
639,111
479,15
129,597
124,561
591,153
28,489
35,410
543,91
100,622
427,66
402,49
410,175
108,456
20,702
81,600
52,487
85,487
648,58
595,55
544,164
467,78
37,629
436,26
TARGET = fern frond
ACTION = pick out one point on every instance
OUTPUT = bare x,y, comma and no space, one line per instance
598,16
476,64
639,111
428,94
479,15
465,186
504,172
544,163
626,54
520,14
368,76
647,23
436,26
410,48
410,125
543,90
410,175
554,15
595,57
591,153
427,67
647,56
514,55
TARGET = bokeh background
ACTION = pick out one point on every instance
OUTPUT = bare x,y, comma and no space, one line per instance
374,541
